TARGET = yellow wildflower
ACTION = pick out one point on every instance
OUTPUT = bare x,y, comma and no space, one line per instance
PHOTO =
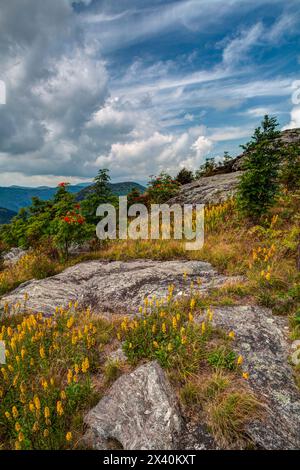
68,436
231,335
37,402
245,375
18,427
240,360
59,408
15,412
42,352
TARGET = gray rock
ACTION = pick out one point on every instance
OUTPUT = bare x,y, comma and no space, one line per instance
115,287
12,256
208,190
116,356
262,340
138,412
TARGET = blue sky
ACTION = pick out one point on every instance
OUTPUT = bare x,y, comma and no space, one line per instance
140,86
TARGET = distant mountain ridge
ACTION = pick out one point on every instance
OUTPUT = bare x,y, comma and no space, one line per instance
14,198
119,189
6,215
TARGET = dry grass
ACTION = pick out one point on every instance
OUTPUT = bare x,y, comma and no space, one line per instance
224,403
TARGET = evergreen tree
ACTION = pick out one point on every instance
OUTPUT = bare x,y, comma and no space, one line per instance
259,184
185,176
100,193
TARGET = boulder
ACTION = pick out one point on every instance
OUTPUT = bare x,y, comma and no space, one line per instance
208,189
12,256
139,412
115,287
261,338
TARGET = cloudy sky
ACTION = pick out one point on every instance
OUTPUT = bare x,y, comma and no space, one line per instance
138,86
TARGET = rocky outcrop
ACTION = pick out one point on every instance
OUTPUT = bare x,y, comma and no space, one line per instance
289,136
138,413
208,190
11,257
115,287
262,340
223,184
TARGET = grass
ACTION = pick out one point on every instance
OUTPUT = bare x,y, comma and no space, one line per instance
47,383
228,415
224,404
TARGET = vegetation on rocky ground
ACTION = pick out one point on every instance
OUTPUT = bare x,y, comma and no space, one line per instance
52,372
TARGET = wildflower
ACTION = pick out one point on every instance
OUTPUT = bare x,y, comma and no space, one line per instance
174,322
85,365
7,414
69,376
20,437
42,352
70,322
31,407
153,328
35,427
63,395
155,344
18,427
69,436
183,339
163,327
192,304
37,402
59,408
268,276
44,384
203,327
17,445
46,433
191,317
245,375
231,335
240,360
46,412
15,412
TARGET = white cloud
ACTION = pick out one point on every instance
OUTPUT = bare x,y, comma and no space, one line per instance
295,119
238,48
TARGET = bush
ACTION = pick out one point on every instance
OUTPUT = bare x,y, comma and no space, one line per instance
185,176
162,188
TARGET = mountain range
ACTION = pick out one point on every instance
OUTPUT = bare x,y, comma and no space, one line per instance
13,198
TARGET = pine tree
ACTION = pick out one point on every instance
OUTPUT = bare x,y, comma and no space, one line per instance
100,193
259,185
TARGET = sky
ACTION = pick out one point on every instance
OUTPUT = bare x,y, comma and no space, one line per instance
139,86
